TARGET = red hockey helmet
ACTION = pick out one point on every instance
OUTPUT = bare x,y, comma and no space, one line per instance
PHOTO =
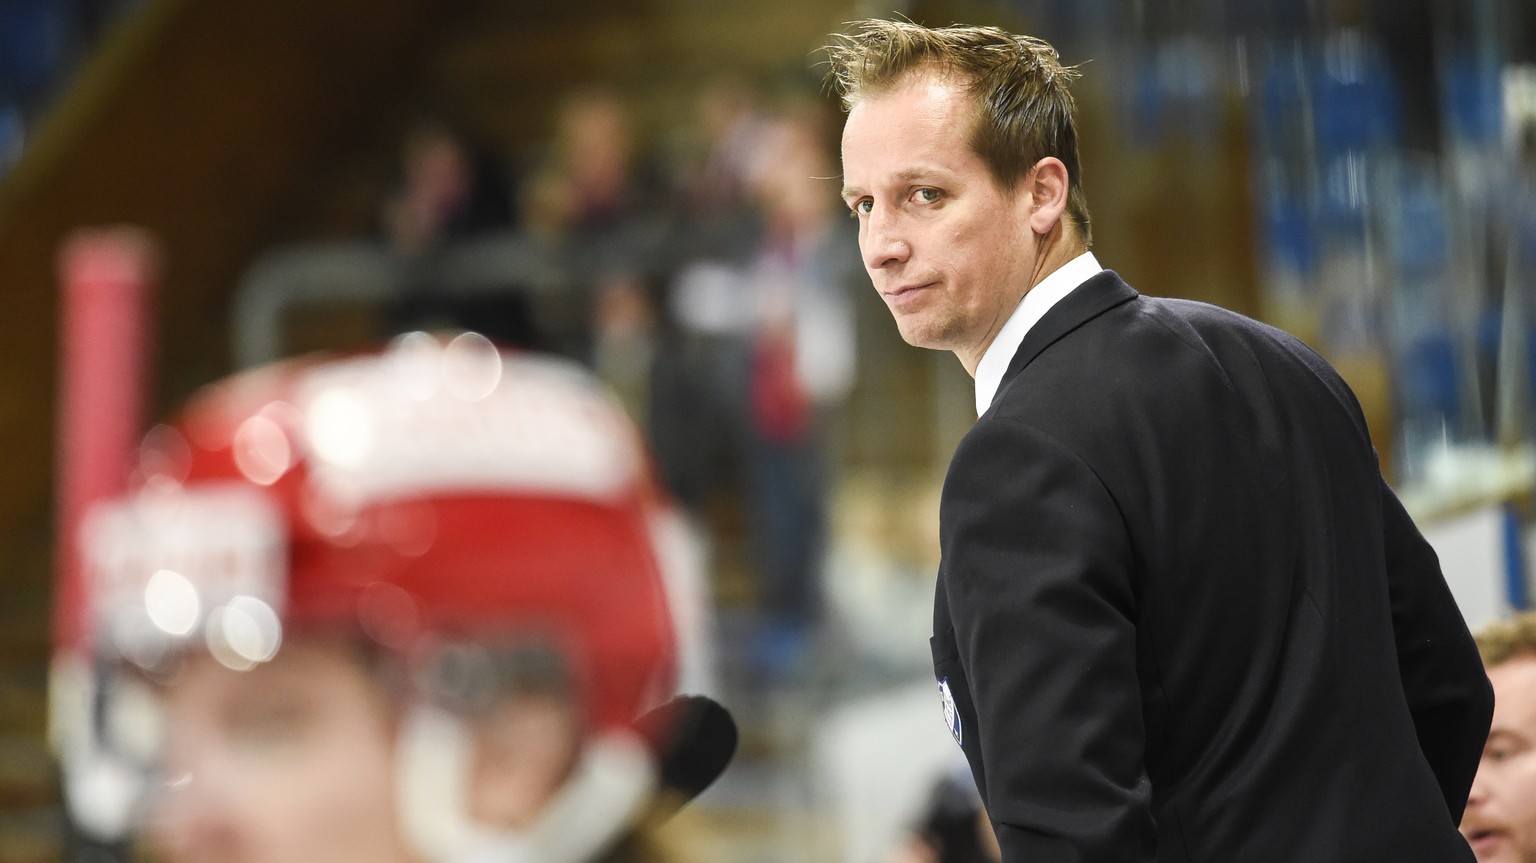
434,491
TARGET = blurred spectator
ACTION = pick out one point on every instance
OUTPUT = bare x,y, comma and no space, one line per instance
802,362
587,182
451,189
448,190
399,607
718,201
594,188
1500,821
624,326
773,355
699,377
731,126
600,201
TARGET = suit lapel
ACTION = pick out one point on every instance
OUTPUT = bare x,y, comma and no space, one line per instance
1087,301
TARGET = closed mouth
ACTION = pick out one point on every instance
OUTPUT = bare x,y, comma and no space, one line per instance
1483,837
905,289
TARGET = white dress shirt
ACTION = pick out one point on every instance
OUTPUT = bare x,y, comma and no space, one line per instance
1037,301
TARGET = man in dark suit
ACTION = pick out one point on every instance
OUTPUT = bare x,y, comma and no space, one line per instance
1179,615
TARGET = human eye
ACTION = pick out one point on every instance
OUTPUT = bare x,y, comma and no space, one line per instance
927,195
270,725
861,207
278,716
1500,748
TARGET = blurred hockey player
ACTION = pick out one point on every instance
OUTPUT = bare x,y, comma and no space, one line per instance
406,606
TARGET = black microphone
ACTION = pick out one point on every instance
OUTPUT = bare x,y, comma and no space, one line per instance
694,738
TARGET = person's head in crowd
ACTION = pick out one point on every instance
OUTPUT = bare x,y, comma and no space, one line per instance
397,607
960,161
729,125
792,173
448,188
589,179
1500,821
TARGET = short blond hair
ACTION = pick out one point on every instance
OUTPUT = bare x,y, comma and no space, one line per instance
1024,109
1508,639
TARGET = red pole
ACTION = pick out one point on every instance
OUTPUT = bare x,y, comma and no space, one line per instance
106,277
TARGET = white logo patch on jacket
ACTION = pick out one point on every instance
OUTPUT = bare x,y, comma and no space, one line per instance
951,713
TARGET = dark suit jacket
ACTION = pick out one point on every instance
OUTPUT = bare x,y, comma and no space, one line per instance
1180,615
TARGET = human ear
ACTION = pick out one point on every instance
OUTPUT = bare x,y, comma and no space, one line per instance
1047,184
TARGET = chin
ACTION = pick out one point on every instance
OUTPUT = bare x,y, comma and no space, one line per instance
923,334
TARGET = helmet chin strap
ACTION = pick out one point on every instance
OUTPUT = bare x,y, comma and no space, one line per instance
613,780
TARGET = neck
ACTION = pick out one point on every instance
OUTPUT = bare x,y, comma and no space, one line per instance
1055,250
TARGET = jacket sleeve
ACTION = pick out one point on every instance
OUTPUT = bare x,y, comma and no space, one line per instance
1448,691
1037,576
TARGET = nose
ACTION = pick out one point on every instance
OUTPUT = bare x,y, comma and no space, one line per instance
1479,794
884,244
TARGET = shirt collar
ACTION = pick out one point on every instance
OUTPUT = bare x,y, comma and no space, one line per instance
1036,302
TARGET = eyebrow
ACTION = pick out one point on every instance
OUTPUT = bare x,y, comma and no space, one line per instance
1506,736
908,175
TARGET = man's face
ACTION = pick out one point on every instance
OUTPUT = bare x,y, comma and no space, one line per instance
950,252
290,762
1500,822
